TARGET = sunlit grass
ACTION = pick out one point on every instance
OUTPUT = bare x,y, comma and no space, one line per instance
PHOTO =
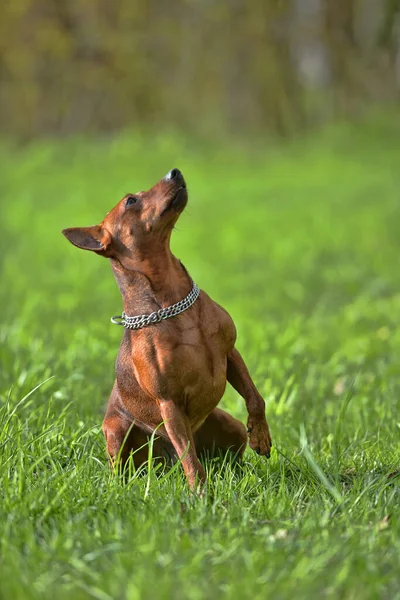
300,243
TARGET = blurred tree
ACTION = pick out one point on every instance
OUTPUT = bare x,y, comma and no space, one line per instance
201,65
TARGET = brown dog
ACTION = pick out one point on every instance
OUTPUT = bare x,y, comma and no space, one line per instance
173,362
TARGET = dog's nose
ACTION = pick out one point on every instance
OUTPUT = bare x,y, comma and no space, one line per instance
173,174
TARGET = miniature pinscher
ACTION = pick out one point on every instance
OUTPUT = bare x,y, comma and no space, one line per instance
178,348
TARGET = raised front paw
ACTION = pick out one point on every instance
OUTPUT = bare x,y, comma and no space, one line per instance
259,436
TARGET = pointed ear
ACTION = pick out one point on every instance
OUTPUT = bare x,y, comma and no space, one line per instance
88,238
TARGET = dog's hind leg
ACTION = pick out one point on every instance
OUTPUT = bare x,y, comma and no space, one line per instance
115,429
124,435
221,432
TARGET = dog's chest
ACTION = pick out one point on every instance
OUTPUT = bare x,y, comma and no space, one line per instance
183,367
188,366
184,361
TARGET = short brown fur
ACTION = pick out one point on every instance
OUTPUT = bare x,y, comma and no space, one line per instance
170,375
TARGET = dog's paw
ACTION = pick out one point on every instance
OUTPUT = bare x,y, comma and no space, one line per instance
259,437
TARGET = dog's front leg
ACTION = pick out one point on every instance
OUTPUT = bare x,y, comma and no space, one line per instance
180,433
239,377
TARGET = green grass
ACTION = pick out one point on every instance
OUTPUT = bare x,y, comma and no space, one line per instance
301,244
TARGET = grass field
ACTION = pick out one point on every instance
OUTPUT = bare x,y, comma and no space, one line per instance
300,242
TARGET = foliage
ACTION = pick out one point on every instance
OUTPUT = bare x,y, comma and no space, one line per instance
209,67
300,243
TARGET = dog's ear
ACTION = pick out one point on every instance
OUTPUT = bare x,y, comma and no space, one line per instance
93,238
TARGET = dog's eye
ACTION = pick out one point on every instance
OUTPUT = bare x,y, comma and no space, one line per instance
131,200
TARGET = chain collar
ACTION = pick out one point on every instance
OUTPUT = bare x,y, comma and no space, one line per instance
139,321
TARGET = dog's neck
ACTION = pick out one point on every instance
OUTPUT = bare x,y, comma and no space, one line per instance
147,284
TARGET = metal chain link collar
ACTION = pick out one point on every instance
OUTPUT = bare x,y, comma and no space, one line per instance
139,321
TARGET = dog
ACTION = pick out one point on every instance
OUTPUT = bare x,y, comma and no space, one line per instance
178,347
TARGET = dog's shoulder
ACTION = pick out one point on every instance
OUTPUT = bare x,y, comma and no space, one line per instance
219,319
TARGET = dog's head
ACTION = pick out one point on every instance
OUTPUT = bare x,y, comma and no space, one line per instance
138,222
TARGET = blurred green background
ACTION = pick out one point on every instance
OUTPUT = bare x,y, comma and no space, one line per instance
283,117
208,67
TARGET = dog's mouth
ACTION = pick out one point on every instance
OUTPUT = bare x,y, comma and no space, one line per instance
180,199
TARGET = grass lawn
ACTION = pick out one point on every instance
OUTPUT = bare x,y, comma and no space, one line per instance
301,243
